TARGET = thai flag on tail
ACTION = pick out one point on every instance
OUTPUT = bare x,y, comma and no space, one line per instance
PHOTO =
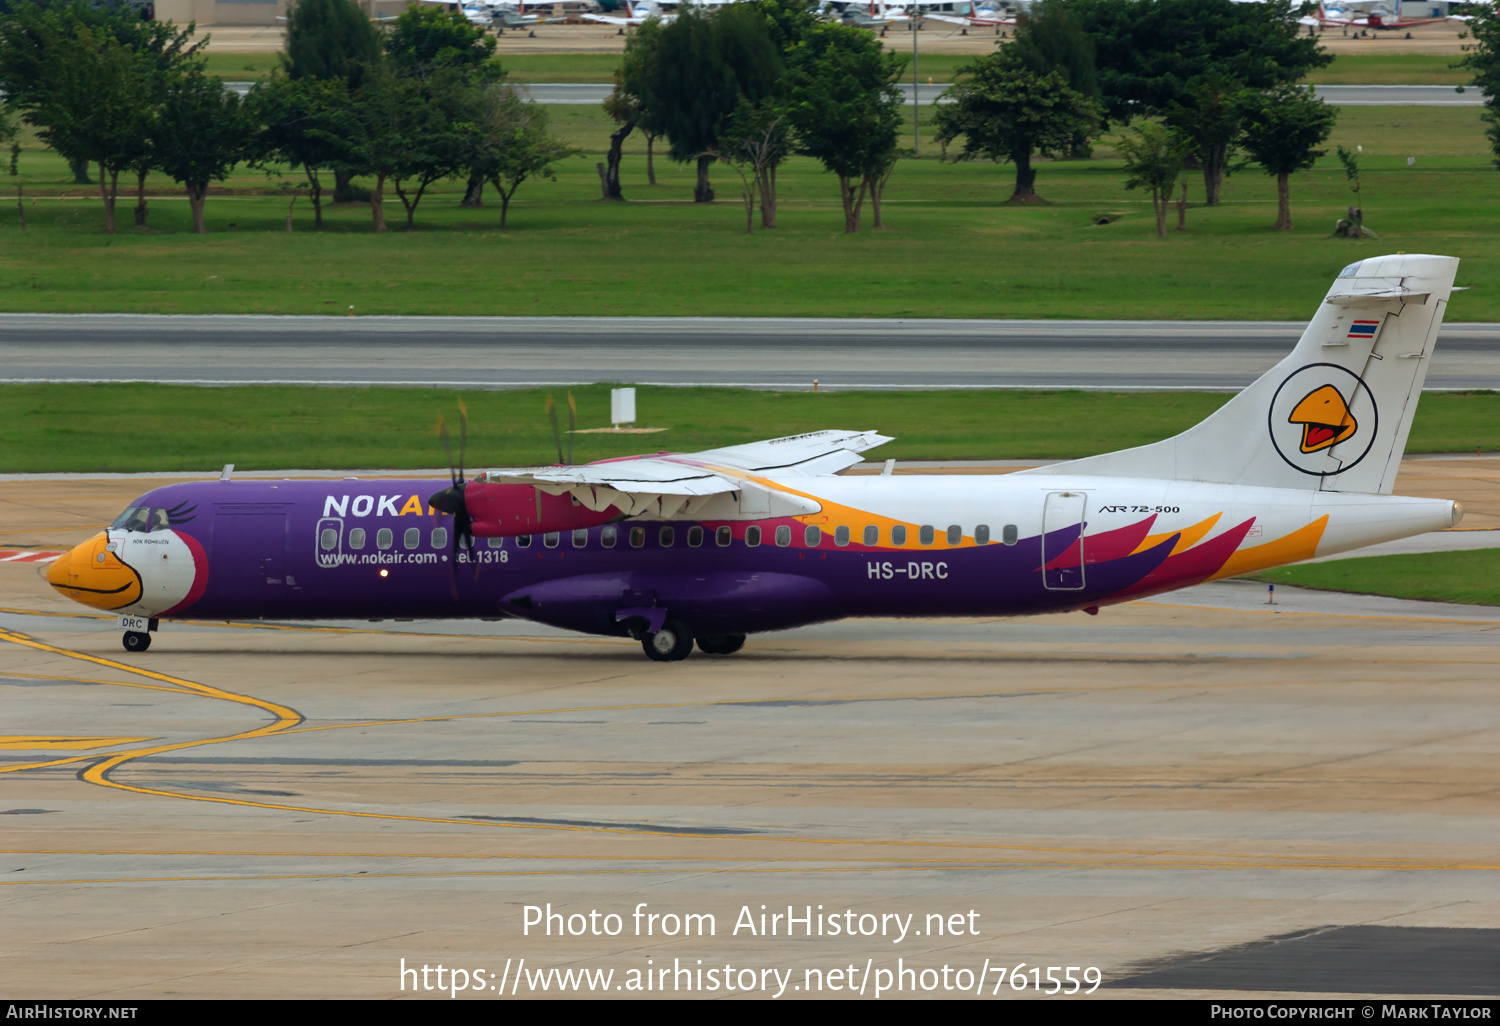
1363,329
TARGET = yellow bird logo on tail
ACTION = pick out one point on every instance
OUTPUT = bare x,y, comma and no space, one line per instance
1325,419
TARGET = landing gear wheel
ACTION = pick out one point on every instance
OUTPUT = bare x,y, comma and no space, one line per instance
136,641
722,644
673,642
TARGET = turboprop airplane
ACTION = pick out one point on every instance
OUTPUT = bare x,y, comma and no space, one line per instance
714,546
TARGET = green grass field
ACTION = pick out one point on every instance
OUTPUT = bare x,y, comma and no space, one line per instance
951,247
1471,577
128,428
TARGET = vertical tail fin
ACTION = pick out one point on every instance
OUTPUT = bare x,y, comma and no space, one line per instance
1332,416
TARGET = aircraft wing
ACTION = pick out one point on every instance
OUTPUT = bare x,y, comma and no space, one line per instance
667,482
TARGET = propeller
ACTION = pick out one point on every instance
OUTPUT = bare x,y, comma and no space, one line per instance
451,499
556,435
572,427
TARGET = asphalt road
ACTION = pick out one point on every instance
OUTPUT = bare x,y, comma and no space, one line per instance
516,352
576,94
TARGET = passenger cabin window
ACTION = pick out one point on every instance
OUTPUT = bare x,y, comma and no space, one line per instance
841,536
925,534
666,537
440,538
752,536
609,536
412,538
1009,534
872,535
357,538
637,537
550,539
898,534
328,539
783,536
955,534
580,538
384,537
523,541
982,534
695,536
493,543
813,536
723,536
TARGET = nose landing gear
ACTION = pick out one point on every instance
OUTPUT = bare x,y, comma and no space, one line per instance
136,641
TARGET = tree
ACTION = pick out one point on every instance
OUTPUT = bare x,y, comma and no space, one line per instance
1003,111
302,123
385,120
89,79
200,136
438,125
1209,116
1187,58
846,110
515,144
427,39
1483,60
331,39
1050,37
429,44
758,139
1153,156
707,61
97,108
626,107
754,143
1282,127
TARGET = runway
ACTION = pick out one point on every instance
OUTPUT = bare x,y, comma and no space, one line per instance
506,352
293,809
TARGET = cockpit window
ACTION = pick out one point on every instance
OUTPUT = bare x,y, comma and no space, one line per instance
142,518
1352,271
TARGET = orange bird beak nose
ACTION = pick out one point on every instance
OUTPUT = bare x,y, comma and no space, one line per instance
92,574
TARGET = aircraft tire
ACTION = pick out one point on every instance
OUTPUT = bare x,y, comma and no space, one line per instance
136,641
673,642
722,644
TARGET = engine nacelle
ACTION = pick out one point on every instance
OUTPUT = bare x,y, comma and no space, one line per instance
505,510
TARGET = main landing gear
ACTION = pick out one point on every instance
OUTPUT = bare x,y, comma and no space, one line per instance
136,641
673,642
722,644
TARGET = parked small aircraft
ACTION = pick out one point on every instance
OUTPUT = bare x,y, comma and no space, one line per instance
714,546
635,14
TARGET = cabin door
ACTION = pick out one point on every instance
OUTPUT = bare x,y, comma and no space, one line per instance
1062,541
250,554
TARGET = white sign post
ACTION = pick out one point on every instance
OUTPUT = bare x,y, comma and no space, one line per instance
621,406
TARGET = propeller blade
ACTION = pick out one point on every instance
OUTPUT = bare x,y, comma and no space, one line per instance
556,435
463,435
441,430
572,425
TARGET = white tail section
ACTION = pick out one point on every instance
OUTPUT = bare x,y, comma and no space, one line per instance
1332,416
